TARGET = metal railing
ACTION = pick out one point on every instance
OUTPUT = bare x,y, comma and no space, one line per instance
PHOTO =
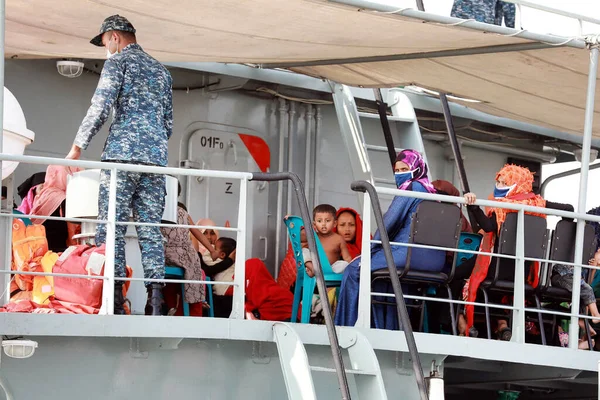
519,308
111,224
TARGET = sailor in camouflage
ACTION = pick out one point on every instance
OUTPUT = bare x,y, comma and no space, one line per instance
487,11
139,91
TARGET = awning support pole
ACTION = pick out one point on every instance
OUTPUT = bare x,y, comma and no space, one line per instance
385,125
5,223
460,166
583,183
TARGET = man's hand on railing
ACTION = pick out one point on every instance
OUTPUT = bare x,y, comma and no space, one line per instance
74,154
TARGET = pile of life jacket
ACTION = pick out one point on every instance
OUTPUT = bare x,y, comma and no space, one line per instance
47,294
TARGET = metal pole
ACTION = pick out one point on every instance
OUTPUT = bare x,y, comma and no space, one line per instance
5,223
338,360
518,323
460,166
240,270
583,183
385,125
291,149
109,267
564,174
475,25
403,318
564,13
281,165
364,294
420,5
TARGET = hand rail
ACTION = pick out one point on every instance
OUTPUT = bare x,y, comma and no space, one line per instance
363,186
322,288
111,224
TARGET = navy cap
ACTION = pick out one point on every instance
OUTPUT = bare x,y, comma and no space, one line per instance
112,23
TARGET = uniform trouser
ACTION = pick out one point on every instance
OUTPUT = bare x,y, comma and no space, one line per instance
144,195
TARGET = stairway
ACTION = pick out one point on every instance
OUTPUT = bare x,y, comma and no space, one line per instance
369,156
297,371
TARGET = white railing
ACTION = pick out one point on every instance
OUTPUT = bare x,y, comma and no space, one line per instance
541,7
111,224
518,307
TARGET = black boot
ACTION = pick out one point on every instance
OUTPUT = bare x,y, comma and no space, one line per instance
156,303
119,299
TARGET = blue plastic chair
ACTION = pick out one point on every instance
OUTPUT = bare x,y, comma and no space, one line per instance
305,285
172,272
467,241
179,273
209,294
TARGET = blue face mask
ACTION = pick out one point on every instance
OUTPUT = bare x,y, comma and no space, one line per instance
402,177
500,193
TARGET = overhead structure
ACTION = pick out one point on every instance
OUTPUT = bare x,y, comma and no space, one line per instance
538,79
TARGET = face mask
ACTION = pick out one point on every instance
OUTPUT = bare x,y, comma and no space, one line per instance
108,53
501,193
402,177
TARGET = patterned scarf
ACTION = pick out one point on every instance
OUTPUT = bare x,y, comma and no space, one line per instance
415,162
520,194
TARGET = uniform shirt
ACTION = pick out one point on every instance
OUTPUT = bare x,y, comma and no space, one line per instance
139,89
487,11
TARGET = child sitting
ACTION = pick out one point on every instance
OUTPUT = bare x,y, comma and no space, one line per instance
222,271
562,276
334,245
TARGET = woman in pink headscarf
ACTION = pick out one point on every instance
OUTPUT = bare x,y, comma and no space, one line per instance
50,201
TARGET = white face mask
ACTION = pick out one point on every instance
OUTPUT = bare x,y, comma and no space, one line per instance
108,53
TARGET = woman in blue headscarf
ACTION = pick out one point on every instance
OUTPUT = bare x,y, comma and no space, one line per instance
410,174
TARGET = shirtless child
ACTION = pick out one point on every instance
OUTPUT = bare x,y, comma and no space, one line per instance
334,244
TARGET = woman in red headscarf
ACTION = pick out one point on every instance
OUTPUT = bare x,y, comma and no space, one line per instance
349,225
513,185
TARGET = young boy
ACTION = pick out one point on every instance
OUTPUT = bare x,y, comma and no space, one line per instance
222,271
324,221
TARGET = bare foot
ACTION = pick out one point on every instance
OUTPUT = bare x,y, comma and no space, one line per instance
582,326
462,325
309,269
583,344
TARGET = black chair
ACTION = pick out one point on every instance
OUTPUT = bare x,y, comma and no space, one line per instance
562,248
434,224
501,273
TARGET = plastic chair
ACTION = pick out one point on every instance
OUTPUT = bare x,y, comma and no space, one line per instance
467,241
501,273
434,224
172,272
305,285
209,295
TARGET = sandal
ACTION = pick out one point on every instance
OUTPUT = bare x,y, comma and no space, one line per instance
504,334
473,332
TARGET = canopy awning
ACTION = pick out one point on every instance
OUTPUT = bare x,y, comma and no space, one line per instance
544,86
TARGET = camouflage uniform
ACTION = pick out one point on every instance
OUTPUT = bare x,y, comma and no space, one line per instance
487,11
139,89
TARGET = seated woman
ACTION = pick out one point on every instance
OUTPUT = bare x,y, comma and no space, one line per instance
411,174
211,234
264,298
349,225
50,200
180,252
513,185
